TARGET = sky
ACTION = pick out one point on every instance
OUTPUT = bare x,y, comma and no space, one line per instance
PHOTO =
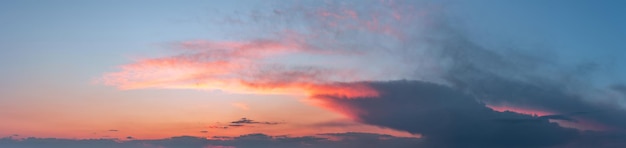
306,73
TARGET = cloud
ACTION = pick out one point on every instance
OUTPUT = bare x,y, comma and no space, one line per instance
495,85
486,99
621,88
236,125
364,140
200,62
446,117
243,122
275,63
246,121
563,117
400,65
219,127
231,66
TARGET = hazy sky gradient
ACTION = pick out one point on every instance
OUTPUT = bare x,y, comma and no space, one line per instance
58,58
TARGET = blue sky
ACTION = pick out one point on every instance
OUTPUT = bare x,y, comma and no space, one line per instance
579,31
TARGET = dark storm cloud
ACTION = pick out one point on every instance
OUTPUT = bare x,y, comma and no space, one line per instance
361,140
449,118
438,51
453,113
460,77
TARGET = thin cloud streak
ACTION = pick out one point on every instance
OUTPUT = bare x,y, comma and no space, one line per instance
234,67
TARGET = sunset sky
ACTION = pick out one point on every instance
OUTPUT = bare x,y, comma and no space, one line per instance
396,73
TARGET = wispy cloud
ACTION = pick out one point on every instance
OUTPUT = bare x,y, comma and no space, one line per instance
230,66
246,121
275,64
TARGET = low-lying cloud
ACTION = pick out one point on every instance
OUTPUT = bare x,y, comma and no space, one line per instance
330,140
447,117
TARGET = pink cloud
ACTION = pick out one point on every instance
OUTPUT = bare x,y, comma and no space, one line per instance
231,66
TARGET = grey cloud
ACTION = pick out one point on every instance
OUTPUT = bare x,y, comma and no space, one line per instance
245,121
562,117
507,83
447,117
220,127
621,88
236,125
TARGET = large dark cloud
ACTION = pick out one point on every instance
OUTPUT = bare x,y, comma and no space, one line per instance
452,112
339,140
447,117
